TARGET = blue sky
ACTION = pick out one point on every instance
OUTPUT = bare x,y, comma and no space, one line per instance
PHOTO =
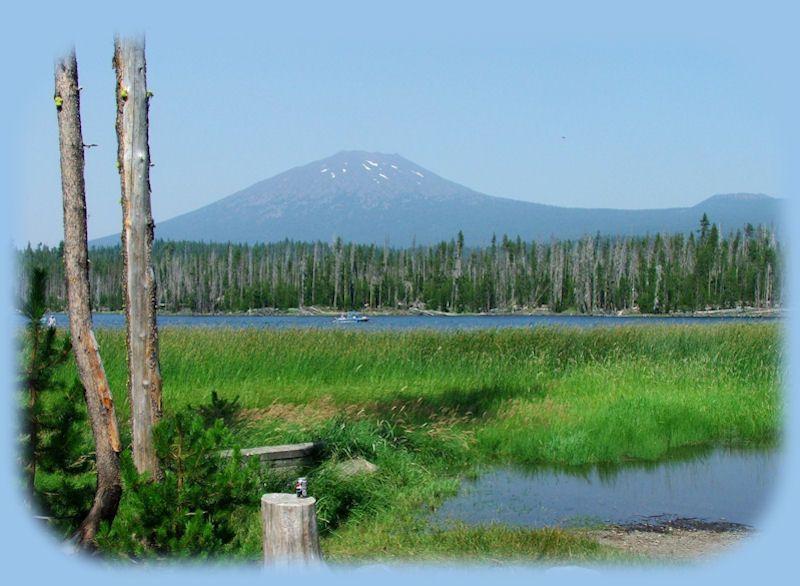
661,105
653,113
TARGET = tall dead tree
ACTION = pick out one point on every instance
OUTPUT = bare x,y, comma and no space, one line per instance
139,284
99,400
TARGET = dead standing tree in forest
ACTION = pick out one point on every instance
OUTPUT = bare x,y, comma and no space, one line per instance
99,401
139,285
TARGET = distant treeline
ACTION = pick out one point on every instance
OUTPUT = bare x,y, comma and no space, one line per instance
662,273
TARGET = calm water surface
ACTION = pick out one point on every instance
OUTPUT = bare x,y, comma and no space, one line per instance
728,486
404,322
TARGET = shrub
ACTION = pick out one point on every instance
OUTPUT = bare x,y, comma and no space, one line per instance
54,440
197,508
218,408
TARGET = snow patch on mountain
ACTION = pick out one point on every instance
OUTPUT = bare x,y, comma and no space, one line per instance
408,203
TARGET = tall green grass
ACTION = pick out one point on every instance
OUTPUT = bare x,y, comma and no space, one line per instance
533,395
429,407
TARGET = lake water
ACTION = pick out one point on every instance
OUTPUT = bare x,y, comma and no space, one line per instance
721,486
404,322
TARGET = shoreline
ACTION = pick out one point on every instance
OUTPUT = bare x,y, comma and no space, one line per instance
674,546
329,312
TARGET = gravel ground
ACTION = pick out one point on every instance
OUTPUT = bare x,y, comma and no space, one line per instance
673,544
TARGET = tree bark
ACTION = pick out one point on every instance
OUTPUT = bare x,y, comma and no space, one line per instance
99,401
139,285
289,531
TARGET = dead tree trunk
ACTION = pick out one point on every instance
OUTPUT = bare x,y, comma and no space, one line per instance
99,400
139,285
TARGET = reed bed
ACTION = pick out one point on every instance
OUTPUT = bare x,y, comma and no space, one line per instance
430,407
534,395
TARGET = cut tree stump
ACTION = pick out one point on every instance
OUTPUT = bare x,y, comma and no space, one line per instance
289,530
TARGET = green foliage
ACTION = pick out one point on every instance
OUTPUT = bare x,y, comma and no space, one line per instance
55,445
393,445
428,407
197,508
449,375
62,461
474,546
659,274
219,408
340,496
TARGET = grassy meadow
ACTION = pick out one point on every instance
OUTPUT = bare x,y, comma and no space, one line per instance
430,407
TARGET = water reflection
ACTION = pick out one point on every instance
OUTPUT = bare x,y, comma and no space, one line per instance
407,322
720,486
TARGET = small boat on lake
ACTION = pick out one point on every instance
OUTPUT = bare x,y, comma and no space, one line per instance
351,316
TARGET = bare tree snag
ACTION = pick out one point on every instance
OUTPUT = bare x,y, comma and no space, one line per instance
99,400
139,285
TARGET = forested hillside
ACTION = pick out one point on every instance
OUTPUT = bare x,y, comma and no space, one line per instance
653,274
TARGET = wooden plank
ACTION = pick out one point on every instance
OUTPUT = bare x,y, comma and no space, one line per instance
286,454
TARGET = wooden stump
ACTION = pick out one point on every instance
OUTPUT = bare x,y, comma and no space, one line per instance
289,530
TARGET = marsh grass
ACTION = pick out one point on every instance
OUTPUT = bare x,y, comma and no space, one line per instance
470,545
690,384
429,407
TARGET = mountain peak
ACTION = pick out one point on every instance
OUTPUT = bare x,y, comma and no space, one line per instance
367,197
353,179
379,167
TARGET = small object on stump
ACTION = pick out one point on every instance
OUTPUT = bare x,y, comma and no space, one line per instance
289,530
301,488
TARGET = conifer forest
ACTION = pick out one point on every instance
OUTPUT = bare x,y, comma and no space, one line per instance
654,274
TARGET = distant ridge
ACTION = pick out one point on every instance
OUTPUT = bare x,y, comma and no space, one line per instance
371,197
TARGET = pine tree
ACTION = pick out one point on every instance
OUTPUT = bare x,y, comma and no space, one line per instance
56,446
199,506
661,273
